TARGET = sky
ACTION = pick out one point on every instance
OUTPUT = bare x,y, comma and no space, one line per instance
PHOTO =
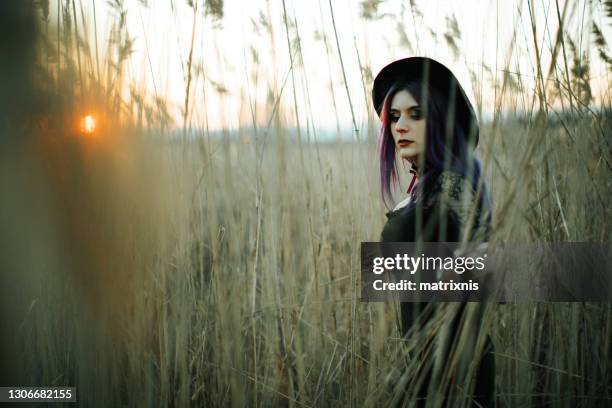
239,56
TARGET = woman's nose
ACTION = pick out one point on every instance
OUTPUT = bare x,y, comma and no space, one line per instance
401,126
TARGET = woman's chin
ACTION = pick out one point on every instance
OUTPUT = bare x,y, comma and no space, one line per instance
408,156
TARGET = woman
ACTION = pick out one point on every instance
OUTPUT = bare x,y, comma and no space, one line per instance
428,122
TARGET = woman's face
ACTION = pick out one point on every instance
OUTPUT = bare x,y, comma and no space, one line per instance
407,123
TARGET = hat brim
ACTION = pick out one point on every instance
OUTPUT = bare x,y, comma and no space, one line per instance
437,76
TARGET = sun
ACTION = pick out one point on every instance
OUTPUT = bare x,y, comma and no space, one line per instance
88,124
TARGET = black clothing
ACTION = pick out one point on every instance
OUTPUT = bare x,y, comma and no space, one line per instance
448,204
446,209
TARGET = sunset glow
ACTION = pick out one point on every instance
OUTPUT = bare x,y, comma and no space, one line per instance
88,124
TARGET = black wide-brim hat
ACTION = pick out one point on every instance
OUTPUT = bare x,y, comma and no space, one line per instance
437,76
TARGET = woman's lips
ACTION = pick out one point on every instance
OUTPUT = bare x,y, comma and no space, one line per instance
404,142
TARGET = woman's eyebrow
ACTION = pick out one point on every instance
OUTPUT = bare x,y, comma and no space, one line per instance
411,107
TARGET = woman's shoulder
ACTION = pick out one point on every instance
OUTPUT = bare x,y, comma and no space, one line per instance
454,194
450,185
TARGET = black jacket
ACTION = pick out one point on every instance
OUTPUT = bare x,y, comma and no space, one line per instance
447,209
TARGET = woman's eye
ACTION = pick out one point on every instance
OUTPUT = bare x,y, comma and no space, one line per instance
394,118
416,114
